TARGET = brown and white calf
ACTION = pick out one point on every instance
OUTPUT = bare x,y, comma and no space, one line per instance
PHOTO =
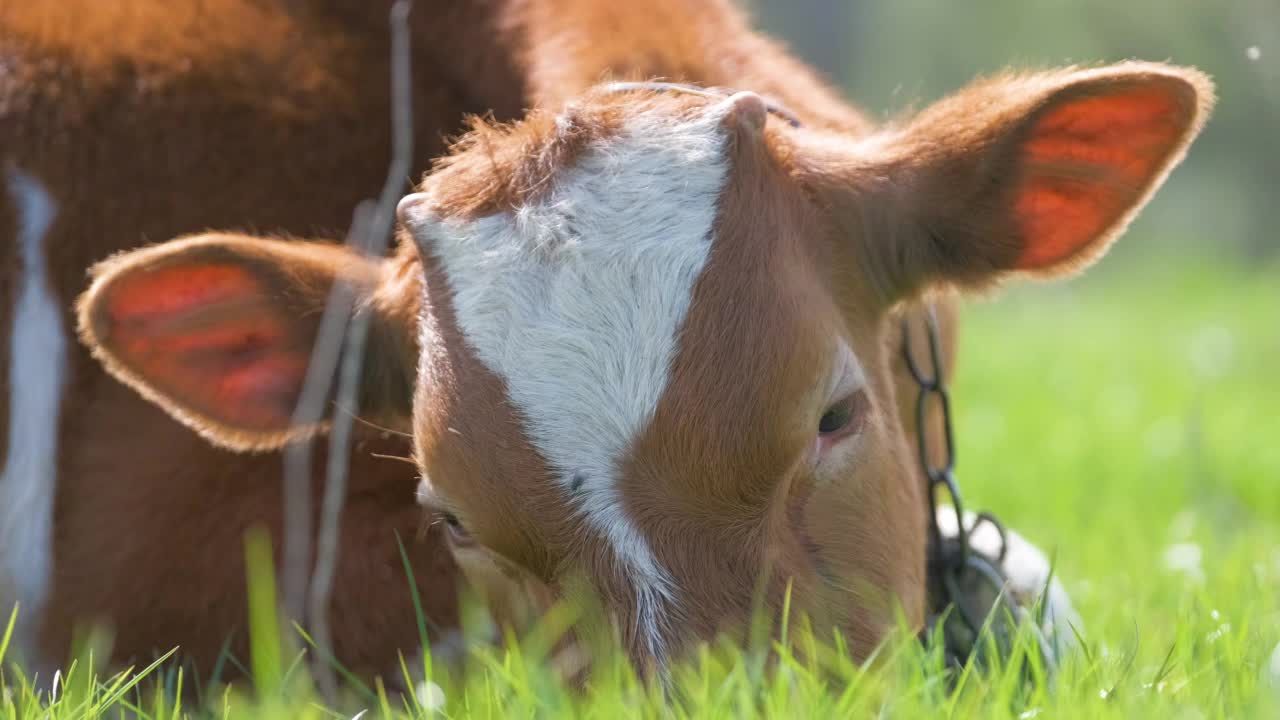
650,336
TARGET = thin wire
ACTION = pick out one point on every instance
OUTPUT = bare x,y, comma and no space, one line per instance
380,220
297,457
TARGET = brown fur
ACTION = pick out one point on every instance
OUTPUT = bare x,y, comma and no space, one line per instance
567,46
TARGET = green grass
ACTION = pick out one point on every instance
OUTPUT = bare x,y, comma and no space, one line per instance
1128,421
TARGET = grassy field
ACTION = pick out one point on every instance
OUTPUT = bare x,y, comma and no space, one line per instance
1128,421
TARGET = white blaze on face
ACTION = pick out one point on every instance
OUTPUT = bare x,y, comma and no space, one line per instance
37,350
576,302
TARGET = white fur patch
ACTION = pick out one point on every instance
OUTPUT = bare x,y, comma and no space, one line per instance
847,376
37,359
576,302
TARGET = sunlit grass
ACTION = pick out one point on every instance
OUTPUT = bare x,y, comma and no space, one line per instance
1128,422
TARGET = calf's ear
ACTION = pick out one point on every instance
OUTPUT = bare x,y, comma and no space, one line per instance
1032,174
218,330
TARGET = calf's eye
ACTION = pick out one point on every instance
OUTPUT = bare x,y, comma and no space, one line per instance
835,419
842,416
457,533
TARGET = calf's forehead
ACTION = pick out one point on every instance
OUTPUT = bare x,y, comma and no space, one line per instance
576,301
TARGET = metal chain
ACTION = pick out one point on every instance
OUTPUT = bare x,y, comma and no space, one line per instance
934,384
966,589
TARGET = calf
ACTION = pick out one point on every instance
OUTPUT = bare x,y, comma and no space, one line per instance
651,335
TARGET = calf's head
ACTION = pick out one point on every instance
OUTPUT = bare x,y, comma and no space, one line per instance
640,344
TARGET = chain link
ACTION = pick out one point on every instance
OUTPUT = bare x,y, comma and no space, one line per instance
966,589
933,384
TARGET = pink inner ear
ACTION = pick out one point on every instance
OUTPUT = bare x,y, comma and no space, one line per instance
212,339
1088,161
